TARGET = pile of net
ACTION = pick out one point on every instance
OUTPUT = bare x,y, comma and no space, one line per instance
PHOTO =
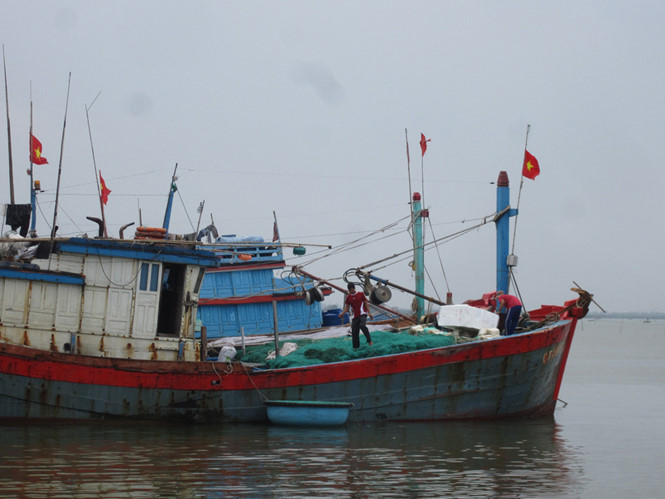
311,352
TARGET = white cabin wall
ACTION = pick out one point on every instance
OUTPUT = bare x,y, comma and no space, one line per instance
62,263
40,314
94,309
68,308
14,302
43,301
109,291
122,274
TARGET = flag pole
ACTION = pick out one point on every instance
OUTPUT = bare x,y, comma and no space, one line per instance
511,277
408,162
62,145
519,194
424,206
33,193
9,132
422,178
94,163
408,167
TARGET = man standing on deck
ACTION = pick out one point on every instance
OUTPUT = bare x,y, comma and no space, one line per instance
360,307
513,307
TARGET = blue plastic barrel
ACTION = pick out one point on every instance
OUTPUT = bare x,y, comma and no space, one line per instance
331,317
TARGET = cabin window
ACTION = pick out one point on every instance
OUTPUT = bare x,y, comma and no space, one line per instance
154,277
145,269
149,274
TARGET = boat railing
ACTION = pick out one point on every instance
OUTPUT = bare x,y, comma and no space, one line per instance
247,252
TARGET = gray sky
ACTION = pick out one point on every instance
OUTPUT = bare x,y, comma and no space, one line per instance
301,107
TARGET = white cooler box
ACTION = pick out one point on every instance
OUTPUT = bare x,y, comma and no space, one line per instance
466,316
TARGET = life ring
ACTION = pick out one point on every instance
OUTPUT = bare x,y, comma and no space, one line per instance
150,233
244,257
152,230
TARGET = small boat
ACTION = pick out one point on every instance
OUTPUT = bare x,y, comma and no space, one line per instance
307,412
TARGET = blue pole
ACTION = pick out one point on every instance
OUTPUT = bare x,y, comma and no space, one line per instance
169,204
419,256
33,204
503,232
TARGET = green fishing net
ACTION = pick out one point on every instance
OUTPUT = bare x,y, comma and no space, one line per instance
312,352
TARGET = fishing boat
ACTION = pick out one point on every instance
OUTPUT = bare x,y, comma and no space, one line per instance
99,328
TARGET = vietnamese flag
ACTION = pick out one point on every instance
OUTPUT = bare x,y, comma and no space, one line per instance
36,152
105,190
423,143
531,169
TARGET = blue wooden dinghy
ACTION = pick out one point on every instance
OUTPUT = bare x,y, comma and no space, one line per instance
307,412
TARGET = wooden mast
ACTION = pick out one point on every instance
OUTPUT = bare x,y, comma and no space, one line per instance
62,145
9,132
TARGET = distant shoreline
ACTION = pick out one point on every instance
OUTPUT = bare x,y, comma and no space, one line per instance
626,315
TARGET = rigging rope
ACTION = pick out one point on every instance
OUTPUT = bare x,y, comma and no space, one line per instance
519,294
443,270
431,281
354,244
449,237
403,255
186,212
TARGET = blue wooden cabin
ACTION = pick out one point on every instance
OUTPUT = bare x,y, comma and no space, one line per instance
244,292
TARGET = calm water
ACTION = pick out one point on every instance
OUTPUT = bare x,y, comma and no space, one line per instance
608,441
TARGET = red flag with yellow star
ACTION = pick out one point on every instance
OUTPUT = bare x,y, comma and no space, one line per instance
531,169
105,190
36,152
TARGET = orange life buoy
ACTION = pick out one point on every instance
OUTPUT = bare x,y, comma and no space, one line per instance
152,230
150,233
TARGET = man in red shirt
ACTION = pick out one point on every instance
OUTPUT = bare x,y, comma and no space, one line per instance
360,307
513,307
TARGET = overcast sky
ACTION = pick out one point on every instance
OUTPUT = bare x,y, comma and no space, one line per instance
301,108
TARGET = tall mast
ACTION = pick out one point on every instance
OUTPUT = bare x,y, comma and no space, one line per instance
9,132
419,254
502,222
62,146
33,192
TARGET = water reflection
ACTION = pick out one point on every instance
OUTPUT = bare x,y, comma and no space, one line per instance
524,458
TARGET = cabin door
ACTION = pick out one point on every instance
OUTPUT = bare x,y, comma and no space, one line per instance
170,307
147,300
